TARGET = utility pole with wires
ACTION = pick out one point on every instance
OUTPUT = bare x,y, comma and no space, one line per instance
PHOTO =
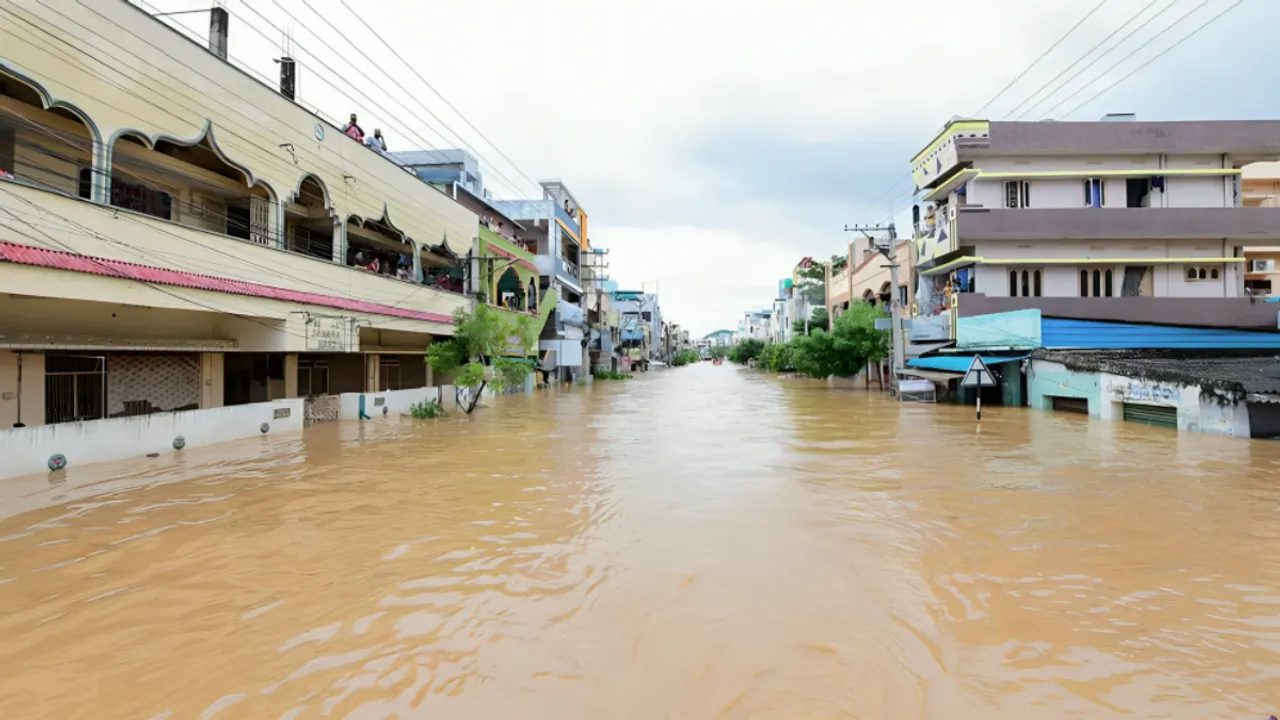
889,248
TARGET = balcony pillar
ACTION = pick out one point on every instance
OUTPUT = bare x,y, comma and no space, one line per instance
100,185
339,242
417,262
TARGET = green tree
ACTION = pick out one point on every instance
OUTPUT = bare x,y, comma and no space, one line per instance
817,319
684,357
776,357
746,350
719,351
852,343
473,354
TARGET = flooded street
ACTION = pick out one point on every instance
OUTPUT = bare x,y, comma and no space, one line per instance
704,542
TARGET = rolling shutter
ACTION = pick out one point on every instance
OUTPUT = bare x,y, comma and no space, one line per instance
1071,405
1152,415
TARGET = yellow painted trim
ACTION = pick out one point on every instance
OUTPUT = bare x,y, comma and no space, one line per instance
949,130
974,260
959,179
1141,172
572,234
582,222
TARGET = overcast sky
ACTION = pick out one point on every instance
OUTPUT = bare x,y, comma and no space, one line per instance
715,143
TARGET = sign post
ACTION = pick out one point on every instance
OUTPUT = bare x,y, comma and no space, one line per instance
978,375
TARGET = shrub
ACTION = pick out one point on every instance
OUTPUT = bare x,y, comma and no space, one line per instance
427,409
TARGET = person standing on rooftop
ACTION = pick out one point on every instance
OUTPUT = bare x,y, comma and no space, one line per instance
352,129
375,141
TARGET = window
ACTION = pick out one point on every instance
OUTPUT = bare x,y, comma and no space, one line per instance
1098,282
1198,274
1095,194
1017,194
1137,192
1026,283
8,150
85,185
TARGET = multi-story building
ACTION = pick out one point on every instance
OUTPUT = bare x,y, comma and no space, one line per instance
866,277
603,319
1261,187
1117,220
721,338
641,327
1070,241
177,236
499,271
755,325
555,228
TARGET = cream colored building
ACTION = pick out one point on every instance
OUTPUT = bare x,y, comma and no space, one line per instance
177,235
866,277
1260,184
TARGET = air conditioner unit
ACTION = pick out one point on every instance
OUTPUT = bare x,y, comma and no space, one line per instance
1261,266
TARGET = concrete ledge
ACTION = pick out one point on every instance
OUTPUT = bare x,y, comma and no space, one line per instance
24,451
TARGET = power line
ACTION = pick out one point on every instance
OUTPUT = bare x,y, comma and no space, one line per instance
298,149
112,272
1135,51
408,126
888,196
437,93
49,170
1087,53
1156,57
1043,55
514,187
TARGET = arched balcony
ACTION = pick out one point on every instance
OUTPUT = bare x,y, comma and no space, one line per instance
53,147
308,221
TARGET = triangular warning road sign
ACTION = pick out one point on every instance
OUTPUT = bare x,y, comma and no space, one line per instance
978,375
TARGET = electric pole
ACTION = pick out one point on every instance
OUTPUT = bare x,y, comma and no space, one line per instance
890,252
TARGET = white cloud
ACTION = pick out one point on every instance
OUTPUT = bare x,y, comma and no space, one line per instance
610,97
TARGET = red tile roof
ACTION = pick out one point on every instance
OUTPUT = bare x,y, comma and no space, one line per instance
58,260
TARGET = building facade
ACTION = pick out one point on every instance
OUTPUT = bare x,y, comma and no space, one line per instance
177,236
554,228
1115,220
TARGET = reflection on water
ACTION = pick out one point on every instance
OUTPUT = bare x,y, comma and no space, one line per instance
697,543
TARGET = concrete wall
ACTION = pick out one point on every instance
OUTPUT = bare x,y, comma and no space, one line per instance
1199,410
27,450
1046,380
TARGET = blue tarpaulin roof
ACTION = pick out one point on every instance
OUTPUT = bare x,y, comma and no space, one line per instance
958,363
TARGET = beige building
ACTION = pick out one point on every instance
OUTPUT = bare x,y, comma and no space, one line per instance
866,278
1260,184
177,235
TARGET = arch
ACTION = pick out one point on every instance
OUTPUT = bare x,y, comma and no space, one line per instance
45,100
55,145
206,137
509,283
311,193
136,138
1191,273
868,296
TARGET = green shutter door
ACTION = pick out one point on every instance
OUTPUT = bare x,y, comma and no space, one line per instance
1152,415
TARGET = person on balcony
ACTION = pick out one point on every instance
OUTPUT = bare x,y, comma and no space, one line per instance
352,129
375,141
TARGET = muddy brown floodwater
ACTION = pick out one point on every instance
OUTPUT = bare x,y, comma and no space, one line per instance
703,542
